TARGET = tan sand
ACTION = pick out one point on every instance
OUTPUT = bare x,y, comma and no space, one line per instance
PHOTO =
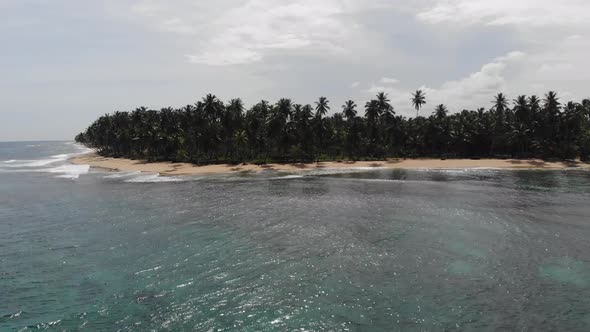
169,168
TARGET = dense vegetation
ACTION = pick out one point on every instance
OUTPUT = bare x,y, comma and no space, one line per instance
211,131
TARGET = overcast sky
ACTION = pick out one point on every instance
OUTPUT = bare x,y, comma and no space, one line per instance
64,62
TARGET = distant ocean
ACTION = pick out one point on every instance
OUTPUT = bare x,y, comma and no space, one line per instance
346,250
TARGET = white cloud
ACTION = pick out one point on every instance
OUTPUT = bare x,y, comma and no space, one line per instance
472,91
225,57
355,84
245,32
509,12
558,68
387,80
375,89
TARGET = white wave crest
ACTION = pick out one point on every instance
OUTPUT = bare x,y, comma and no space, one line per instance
56,164
149,270
36,163
122,175
287,177
332,171
154,178
184,285
69,171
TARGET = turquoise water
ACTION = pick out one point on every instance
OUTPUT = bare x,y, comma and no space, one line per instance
381,250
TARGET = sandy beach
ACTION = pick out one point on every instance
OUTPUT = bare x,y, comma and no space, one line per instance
175,169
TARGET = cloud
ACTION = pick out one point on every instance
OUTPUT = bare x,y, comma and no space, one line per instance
225,57
472,91
509,12
384,84
514,73
246,32
355,84
387,80
375,89
547,30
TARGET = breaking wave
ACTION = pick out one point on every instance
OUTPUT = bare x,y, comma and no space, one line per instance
36,163
286,177
69,171
56,164
154,178
120,175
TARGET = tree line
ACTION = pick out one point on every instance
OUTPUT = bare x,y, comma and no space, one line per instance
211,131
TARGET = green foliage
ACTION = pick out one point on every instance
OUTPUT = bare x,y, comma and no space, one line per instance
210,131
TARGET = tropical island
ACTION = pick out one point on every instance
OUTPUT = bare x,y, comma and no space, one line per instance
528,132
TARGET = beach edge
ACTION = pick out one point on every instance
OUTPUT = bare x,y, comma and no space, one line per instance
185,169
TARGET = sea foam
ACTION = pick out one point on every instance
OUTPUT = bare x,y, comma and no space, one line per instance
153,178
69,171
56,164
36,163
286,177
334,171
122,175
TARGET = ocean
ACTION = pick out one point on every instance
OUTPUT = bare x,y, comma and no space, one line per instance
346,250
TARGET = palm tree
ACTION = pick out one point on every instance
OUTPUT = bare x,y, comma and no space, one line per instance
520,134
307,112
552,103
372,111
241,141
322,107
441,128
500,103
349,110
440,111
551,110
534,104
418,100
383,101
212,106
521,108
320,125
284,107
231,122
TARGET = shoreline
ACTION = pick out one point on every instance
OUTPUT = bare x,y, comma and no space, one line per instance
186,169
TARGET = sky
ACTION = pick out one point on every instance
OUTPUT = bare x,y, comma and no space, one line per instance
65,62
